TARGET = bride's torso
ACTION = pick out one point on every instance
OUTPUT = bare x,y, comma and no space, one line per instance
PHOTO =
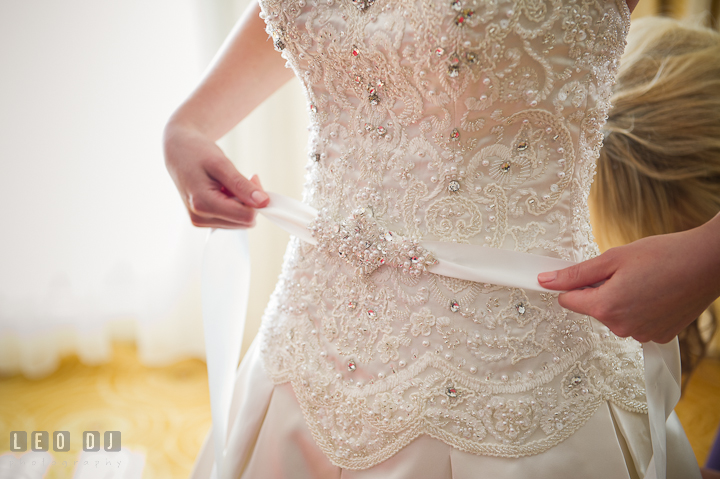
458,121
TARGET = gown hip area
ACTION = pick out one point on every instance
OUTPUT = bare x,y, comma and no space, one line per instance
268,438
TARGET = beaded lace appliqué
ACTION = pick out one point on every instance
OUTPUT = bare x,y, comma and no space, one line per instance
457,120
361,242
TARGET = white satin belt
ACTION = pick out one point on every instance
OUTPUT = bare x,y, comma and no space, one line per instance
226,282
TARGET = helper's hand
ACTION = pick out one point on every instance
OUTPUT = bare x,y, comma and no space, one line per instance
215,194
652,288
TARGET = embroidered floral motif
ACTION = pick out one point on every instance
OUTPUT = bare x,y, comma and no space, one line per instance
422,322
456,120
452,336
388,348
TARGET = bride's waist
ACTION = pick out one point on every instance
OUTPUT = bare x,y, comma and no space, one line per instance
374,328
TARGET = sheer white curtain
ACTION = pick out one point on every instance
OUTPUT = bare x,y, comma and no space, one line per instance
94,242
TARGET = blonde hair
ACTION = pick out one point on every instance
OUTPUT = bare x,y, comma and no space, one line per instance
659,168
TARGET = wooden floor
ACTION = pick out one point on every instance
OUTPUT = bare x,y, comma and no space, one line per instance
699,408
164,413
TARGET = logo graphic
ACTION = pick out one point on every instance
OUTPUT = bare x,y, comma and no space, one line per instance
40,441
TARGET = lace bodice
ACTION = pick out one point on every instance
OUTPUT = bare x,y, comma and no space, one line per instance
472,121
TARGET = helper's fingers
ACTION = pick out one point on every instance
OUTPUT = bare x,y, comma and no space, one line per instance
583,301
598,303
580,275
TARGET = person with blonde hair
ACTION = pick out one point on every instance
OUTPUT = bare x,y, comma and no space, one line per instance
659,168
657,188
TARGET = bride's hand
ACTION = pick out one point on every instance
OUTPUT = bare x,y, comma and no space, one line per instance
652,288
215,194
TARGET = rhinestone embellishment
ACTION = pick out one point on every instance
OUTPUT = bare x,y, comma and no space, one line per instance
451,392
363,5
454,306
454,66
351,365
520,308
455,134
505,167
522,146
278,42
361,242
454,186
463,16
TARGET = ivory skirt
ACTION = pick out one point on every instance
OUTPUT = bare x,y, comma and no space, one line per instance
269,439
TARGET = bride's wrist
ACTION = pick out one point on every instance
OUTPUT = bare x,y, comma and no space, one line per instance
178,128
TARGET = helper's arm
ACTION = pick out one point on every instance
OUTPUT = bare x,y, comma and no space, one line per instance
652,288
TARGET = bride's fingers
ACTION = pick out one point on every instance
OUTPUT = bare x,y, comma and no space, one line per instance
256,179
205,222
216,204
249,193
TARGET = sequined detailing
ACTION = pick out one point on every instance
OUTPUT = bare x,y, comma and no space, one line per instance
363,5
459,121
365,245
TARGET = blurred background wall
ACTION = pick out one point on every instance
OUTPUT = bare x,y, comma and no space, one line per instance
94,242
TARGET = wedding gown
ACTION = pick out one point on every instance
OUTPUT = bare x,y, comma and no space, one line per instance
441,124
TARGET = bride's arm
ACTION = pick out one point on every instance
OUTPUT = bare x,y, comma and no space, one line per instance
653,287
245,72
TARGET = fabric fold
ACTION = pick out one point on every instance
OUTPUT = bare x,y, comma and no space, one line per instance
662,386
225,290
